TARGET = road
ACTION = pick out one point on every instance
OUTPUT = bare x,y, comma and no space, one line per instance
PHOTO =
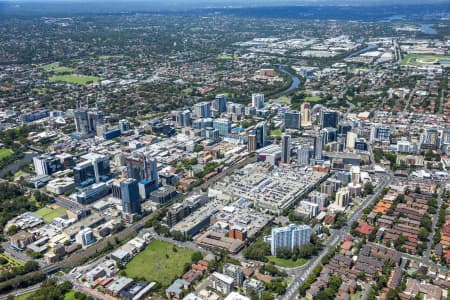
408,101
333,240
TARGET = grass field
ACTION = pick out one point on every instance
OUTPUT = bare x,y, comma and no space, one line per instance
422,59
75,79
312,99
69,296
158,262
225,57
111,57
50,67
5,152
287,263
187,91
284,99
49,214
276,132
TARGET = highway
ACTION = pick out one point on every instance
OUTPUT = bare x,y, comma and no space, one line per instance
333,240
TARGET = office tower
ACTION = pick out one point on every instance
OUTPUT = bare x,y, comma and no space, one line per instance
251,146
85,237
202,110
329,135
235,109
95,168
81,121
210,133
355,174
344,127
223,126
46,164
289,237
361,144
379,134
131,202
285,148
351,140
305,112
124,125
261,134
318,146
329,118
202,123
220,103
303,155
86,121
258,101
184,118
96,120
292,120
141,166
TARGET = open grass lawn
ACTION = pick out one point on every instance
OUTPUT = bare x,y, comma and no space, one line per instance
50,67
423,59
64,70
284,99
287,263
187,91
75,79
276,132
356,296
158,262
49,213
111,57
69,296
5,152
312,99
224,57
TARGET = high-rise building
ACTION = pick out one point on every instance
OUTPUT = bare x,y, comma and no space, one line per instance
285,148
235,272
305,112
258,101
210,133
344,127
329,118
430,139
379,134
202,110
124,125
261,134
95,168
289,237
87,121
223,125
343,197
303,153
141,166
220,103
251,146
85,237
292,120
46,164
329,135
351,140
318,146
131,202
184,118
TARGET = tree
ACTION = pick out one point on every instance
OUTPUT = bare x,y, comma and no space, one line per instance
196,256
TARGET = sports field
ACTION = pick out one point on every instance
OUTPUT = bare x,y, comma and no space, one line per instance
50,213
75,79
422,59
159,262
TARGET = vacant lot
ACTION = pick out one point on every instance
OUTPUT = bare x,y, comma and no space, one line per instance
159,262
75,79
50,213
423,59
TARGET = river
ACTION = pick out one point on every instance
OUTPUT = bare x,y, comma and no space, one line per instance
14,167
295,80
